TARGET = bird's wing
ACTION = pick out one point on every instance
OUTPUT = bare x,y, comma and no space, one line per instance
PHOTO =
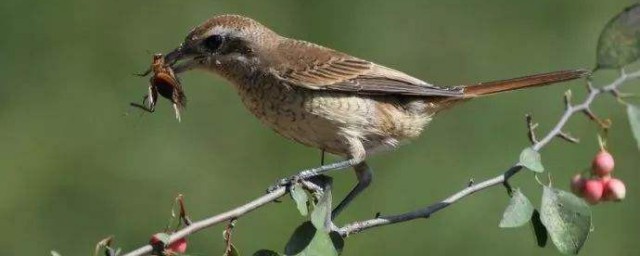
315,67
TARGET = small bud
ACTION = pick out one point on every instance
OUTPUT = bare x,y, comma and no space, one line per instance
602,164
593,190
614,190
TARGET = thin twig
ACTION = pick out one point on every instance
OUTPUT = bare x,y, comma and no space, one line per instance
568,137
227,237
183,211
222,217
532,129
360,226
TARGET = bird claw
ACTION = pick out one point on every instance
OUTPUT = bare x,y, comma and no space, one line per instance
280,183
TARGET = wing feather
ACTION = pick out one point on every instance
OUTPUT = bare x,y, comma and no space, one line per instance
315,67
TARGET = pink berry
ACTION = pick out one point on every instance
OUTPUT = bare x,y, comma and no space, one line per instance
602,163
577,184
593,190
179,246
614,190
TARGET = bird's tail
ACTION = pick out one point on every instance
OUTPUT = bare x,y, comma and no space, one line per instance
481,89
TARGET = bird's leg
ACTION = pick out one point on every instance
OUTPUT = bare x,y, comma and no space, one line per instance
308,173
364,175
356,156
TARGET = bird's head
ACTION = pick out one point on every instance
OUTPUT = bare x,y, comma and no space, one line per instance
224,44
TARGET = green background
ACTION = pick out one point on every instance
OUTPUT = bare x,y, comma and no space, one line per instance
78,164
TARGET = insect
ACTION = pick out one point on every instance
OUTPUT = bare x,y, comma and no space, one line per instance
163,82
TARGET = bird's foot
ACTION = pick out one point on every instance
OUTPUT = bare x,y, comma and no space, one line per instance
310,173
280,183
315,185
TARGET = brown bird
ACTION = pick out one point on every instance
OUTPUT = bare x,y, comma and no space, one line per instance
324,98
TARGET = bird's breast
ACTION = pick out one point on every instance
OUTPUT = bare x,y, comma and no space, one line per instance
325,119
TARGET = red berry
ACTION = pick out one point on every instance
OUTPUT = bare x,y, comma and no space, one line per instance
602,164
593,190
577,184
614,190
179,246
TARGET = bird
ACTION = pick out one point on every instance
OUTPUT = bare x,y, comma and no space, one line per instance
324,98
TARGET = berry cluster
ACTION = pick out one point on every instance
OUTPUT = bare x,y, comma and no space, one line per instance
600,186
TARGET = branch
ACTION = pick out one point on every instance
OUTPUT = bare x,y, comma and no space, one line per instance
426,212
222,217
570,110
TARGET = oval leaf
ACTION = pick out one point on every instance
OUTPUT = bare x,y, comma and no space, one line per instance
306,240
300,239
634,121
518,211
567,218
300,197
619,42
324,244
531,159
321,215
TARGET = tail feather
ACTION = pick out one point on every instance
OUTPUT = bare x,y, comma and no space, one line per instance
488,88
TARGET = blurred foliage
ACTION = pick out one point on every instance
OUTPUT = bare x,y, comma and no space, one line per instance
78,164
619,43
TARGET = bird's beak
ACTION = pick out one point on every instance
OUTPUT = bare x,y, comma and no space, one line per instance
174,56
181,59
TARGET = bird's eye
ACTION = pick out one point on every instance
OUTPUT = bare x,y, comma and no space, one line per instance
213,42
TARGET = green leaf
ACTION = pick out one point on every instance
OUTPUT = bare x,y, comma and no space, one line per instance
300,197
619,42
538,229
567,218
300,238
324,244
54,253
321,215
518,211
265,252
531,159
306,240
634,120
